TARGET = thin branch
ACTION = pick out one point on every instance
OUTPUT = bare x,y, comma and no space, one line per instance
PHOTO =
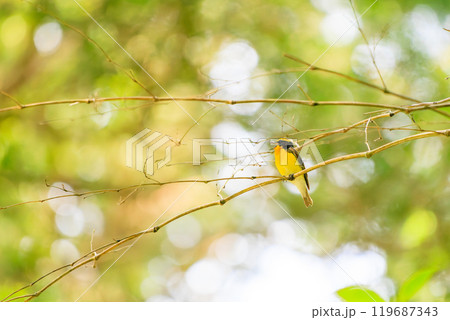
365,131
195,123
117,190
11,97
306,94
345,76
368,46
406,108
368,84
284,121
346,129
259,75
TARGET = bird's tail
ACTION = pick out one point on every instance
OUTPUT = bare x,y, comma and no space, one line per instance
300,183
307,200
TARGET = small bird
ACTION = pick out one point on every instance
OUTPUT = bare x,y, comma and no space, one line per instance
289,162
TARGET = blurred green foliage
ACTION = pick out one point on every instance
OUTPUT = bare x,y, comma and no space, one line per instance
407,290
358,294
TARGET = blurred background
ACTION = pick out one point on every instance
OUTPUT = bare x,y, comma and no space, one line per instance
374,222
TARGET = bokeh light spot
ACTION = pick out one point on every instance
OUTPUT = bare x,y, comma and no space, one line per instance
47,37
185,234
69,220
339,27
64,251
427,153
418,227
231,249
13,30
235,62
206,276
59,191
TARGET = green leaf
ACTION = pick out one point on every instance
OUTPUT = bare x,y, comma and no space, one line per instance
358,294
414,283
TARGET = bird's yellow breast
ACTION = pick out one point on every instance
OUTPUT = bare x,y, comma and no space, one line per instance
286,162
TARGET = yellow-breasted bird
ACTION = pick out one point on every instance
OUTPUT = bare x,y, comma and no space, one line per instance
289,162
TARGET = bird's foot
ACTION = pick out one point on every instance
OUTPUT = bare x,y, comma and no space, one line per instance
291,177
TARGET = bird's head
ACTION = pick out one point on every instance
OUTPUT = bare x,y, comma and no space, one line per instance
285,143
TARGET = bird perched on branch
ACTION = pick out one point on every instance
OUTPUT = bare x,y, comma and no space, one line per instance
289,162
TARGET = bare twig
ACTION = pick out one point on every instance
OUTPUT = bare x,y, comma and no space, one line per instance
345,76
284,121
370,85
365,131
368,46
306,94
117,190
192,126
406,108
11,97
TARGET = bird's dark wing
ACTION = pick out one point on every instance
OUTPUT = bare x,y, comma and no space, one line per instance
292,150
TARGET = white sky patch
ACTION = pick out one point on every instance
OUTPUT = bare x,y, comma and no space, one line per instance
424,89
93,218
231,249
236,61
286,232
69,220
240,140
26,244
346,173
206,276
56,190
104,114
184,234
91,164
329,6
426,33
149,287
400,120
427,153
276,268
47,37
64,251
387,54
160,265
355,262
284,274
233,186
337,23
